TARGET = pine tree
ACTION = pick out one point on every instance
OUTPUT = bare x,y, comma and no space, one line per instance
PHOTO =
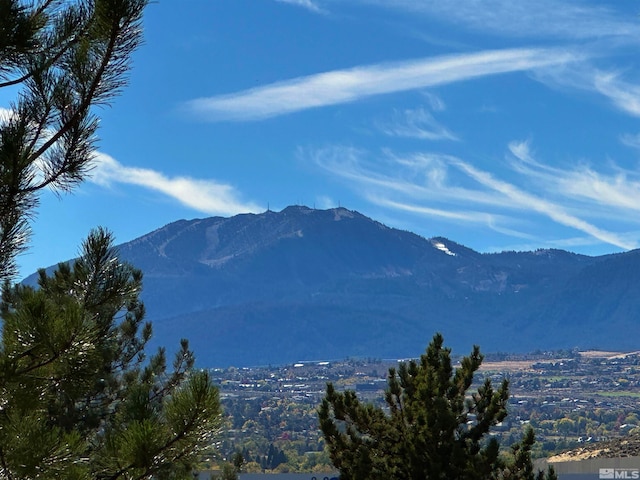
67,56
522,467
78,397
432,428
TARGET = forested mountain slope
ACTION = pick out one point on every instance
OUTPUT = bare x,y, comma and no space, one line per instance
306,284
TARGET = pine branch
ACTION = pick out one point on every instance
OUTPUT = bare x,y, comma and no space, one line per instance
80,111
65,43
112,45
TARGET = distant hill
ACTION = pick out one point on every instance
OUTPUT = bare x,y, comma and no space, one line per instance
306,284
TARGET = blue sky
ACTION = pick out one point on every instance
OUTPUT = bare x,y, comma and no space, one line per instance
500,124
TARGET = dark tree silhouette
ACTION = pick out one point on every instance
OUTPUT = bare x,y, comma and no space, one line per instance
432,427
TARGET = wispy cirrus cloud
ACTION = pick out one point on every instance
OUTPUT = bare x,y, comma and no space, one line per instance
493,221
435,102
450,188
467,216
623,94
415,123
619,190
350,85
631,140
420,177
308,4
206,196
552,210
544,19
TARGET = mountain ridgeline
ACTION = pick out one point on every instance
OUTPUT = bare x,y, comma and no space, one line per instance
305,284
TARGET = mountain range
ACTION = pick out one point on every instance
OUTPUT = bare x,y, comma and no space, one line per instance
305,284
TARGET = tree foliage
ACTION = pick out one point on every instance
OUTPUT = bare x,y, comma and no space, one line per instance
64,57
521,468
431,427
78,397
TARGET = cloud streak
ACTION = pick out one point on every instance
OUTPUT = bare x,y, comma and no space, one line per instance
415,123
631,140
618,191
542,18
205,196
350,85
449,188
624,95
308,4
555,212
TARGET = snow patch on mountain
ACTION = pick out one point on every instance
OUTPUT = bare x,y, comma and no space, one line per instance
442,247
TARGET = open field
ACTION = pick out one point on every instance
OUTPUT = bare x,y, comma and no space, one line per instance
508,366
607,355
515,365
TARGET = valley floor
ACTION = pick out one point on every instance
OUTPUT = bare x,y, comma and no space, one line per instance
571,399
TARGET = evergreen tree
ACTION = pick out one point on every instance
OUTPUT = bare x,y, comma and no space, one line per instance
522,467
238,461
227,472
68,56
78,397
432,429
